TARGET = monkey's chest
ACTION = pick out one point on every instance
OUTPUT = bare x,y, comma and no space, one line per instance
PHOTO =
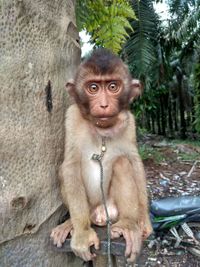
93,175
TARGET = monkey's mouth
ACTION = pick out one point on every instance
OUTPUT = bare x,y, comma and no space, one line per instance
105,122
104,118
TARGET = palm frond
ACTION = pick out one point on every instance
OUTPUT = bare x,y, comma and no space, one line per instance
140,49
185,19
106,21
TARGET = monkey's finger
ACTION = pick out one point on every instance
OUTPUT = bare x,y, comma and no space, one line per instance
56,237
64,235
115,235
81,255
132,257
96,242
87,256
58,243
53,233
116,232
129,243
71,232
137,240
59,240
136,243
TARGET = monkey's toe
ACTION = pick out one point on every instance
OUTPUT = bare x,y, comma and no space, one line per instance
60,233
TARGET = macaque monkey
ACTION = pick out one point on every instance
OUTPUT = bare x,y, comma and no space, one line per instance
102,90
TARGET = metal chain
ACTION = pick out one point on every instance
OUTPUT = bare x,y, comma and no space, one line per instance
98,158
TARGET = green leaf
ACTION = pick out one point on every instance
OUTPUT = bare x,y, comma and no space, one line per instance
106,21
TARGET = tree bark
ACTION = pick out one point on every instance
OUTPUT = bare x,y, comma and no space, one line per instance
179,76
170,122
39,51
163,118
158,120
153,123
175,115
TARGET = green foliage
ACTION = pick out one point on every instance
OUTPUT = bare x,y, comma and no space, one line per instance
195,143
163,56
106,21
167,153
184,24
147,152
141,48
181,7
197,97
191,157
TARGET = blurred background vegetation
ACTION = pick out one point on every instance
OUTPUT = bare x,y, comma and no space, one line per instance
162,51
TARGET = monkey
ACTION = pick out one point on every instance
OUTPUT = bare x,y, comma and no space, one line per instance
102,90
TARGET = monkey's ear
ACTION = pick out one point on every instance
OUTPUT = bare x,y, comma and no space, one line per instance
70,86
136,89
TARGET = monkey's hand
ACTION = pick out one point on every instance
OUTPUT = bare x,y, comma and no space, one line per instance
133,239
82,241
60,233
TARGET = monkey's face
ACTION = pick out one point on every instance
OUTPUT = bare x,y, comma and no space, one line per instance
102,88
103,100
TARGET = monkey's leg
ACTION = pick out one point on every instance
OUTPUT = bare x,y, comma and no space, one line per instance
125,194
60,233
72,184
138,175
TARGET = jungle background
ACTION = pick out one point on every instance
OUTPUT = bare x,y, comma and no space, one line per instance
163,51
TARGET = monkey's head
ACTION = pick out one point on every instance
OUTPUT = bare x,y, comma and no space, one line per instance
103,87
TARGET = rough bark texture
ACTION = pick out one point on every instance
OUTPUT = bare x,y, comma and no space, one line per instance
39,51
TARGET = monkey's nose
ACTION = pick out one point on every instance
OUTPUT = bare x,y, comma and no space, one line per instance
104,106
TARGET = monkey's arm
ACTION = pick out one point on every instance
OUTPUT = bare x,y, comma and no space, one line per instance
73,189
73,193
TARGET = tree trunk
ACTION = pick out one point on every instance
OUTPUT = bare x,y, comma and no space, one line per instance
153,123
181,108
158,120
163,118
148,121
39,51
170,122
175,115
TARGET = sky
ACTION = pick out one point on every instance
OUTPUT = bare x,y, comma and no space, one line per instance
161,9
86,46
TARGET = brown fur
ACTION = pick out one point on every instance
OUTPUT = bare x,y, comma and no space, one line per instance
124,177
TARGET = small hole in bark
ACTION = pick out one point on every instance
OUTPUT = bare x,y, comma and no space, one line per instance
19,202
48,91
28,227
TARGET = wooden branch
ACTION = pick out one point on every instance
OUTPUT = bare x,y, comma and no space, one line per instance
117,245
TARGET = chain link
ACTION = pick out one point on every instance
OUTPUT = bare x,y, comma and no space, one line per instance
99,158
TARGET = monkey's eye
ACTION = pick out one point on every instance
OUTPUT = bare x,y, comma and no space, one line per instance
93,88
113,87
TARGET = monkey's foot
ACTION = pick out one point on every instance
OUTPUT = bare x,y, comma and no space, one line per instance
146,228
133,240
60,233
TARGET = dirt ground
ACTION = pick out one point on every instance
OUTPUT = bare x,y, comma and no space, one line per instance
177,173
